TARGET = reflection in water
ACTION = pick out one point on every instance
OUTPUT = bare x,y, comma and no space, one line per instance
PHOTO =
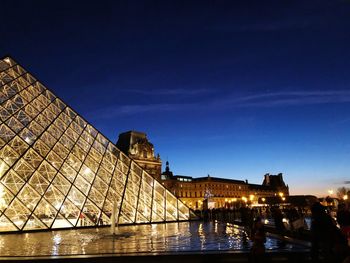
169,237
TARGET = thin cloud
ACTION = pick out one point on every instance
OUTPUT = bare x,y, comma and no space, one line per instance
273,99
292,98
178,91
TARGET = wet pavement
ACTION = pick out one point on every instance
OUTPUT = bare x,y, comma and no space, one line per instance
140,239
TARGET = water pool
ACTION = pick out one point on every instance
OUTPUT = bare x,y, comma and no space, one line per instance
151,238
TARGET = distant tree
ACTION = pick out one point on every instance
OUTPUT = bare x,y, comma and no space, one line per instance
341,191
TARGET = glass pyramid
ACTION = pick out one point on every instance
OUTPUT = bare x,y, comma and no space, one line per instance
57,171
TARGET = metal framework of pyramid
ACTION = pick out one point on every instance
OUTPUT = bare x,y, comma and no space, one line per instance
57,171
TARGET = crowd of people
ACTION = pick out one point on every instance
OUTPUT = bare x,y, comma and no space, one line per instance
329,235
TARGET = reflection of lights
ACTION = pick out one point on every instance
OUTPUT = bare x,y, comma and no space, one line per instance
2,199
28,140
7,60
284,220
87,170
2,167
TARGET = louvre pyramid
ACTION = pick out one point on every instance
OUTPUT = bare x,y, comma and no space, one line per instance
57,171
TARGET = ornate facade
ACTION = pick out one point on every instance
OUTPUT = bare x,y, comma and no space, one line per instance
220,191
194,191
136,146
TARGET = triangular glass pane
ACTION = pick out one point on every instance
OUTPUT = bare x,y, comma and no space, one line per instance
18,145
54,160
47,171
17,213
61,222
45,212
6,225
61,184
12,181
29,197
104,175
54,197
33,158
82,184
15,125
34,223
87,173
70,212
3,168
68,172
91,211
86,220
39,183
141,219
41,148
100,186
96,197
76,197
5,197
157,218
124,219
23,169
8,155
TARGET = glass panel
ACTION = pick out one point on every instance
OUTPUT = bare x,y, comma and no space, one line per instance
61,184
29,197
39,183
34,223
47,171
12,181
5,197
23,169
45,212
54,197
8,155
6,134
17,213
33,158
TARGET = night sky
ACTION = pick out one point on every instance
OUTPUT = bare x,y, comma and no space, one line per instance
233,89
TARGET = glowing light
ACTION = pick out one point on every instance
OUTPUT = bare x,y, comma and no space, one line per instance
263,199
283,198
251,197
7,60
87,170
234,200
330,191
2,199
280,194
345,197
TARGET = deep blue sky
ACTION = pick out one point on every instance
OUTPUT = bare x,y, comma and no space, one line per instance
233,89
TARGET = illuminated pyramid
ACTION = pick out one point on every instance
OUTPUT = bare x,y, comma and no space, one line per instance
57,171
